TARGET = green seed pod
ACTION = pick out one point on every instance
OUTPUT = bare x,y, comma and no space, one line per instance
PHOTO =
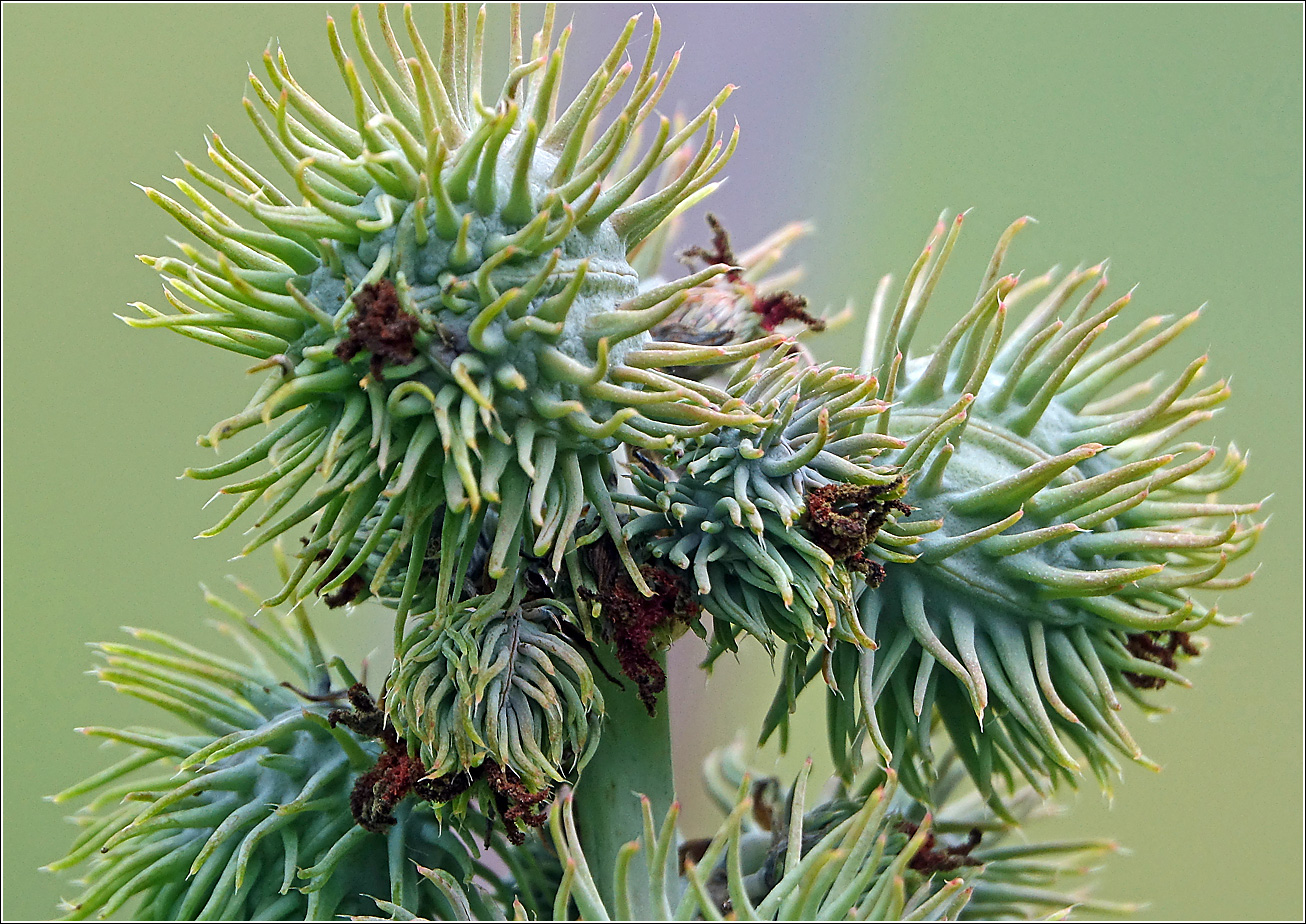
1061,527
757,520
248,815
512,689
448,313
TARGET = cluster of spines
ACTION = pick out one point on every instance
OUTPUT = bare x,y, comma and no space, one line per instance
429,168
249,815
512,689
870,852
1089,526
731,512
425,141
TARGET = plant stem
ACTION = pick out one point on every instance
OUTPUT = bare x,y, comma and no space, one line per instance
633,758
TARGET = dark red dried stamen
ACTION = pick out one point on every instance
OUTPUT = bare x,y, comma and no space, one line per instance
396,775
933,857
381,327
379,790
1160,648
782,306
843,519
633,620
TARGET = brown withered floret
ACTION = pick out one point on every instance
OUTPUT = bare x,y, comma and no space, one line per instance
381,327
933,858
1159,648
843,519
379,790
397,775
633,619
514,801
779,307
720,252
774,308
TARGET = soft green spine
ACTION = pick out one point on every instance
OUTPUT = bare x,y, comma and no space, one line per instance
247,815
504,229
1054,522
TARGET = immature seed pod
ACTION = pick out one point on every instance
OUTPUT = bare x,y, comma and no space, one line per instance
743,515
248,814
447,312
1059,532
511,689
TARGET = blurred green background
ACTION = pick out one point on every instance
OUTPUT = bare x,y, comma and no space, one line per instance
1165,138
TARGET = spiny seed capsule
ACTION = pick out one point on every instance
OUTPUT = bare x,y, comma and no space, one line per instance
770,526
512,690
251,813
447,311
1061,528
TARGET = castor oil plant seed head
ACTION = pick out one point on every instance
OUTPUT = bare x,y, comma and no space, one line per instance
512,690
250,813
442,298
770,527
1061,526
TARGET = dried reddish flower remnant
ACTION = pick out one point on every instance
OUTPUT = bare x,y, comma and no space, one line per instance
779,307
774,308
721,251
379,790
381,327
932,858
634,619
397,774
844,518
1159,648
514,801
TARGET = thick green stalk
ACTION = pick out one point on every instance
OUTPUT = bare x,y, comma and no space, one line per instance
633,758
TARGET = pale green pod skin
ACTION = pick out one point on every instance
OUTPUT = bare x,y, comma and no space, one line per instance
1057,521
510,689
730,513
246,816
503,228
